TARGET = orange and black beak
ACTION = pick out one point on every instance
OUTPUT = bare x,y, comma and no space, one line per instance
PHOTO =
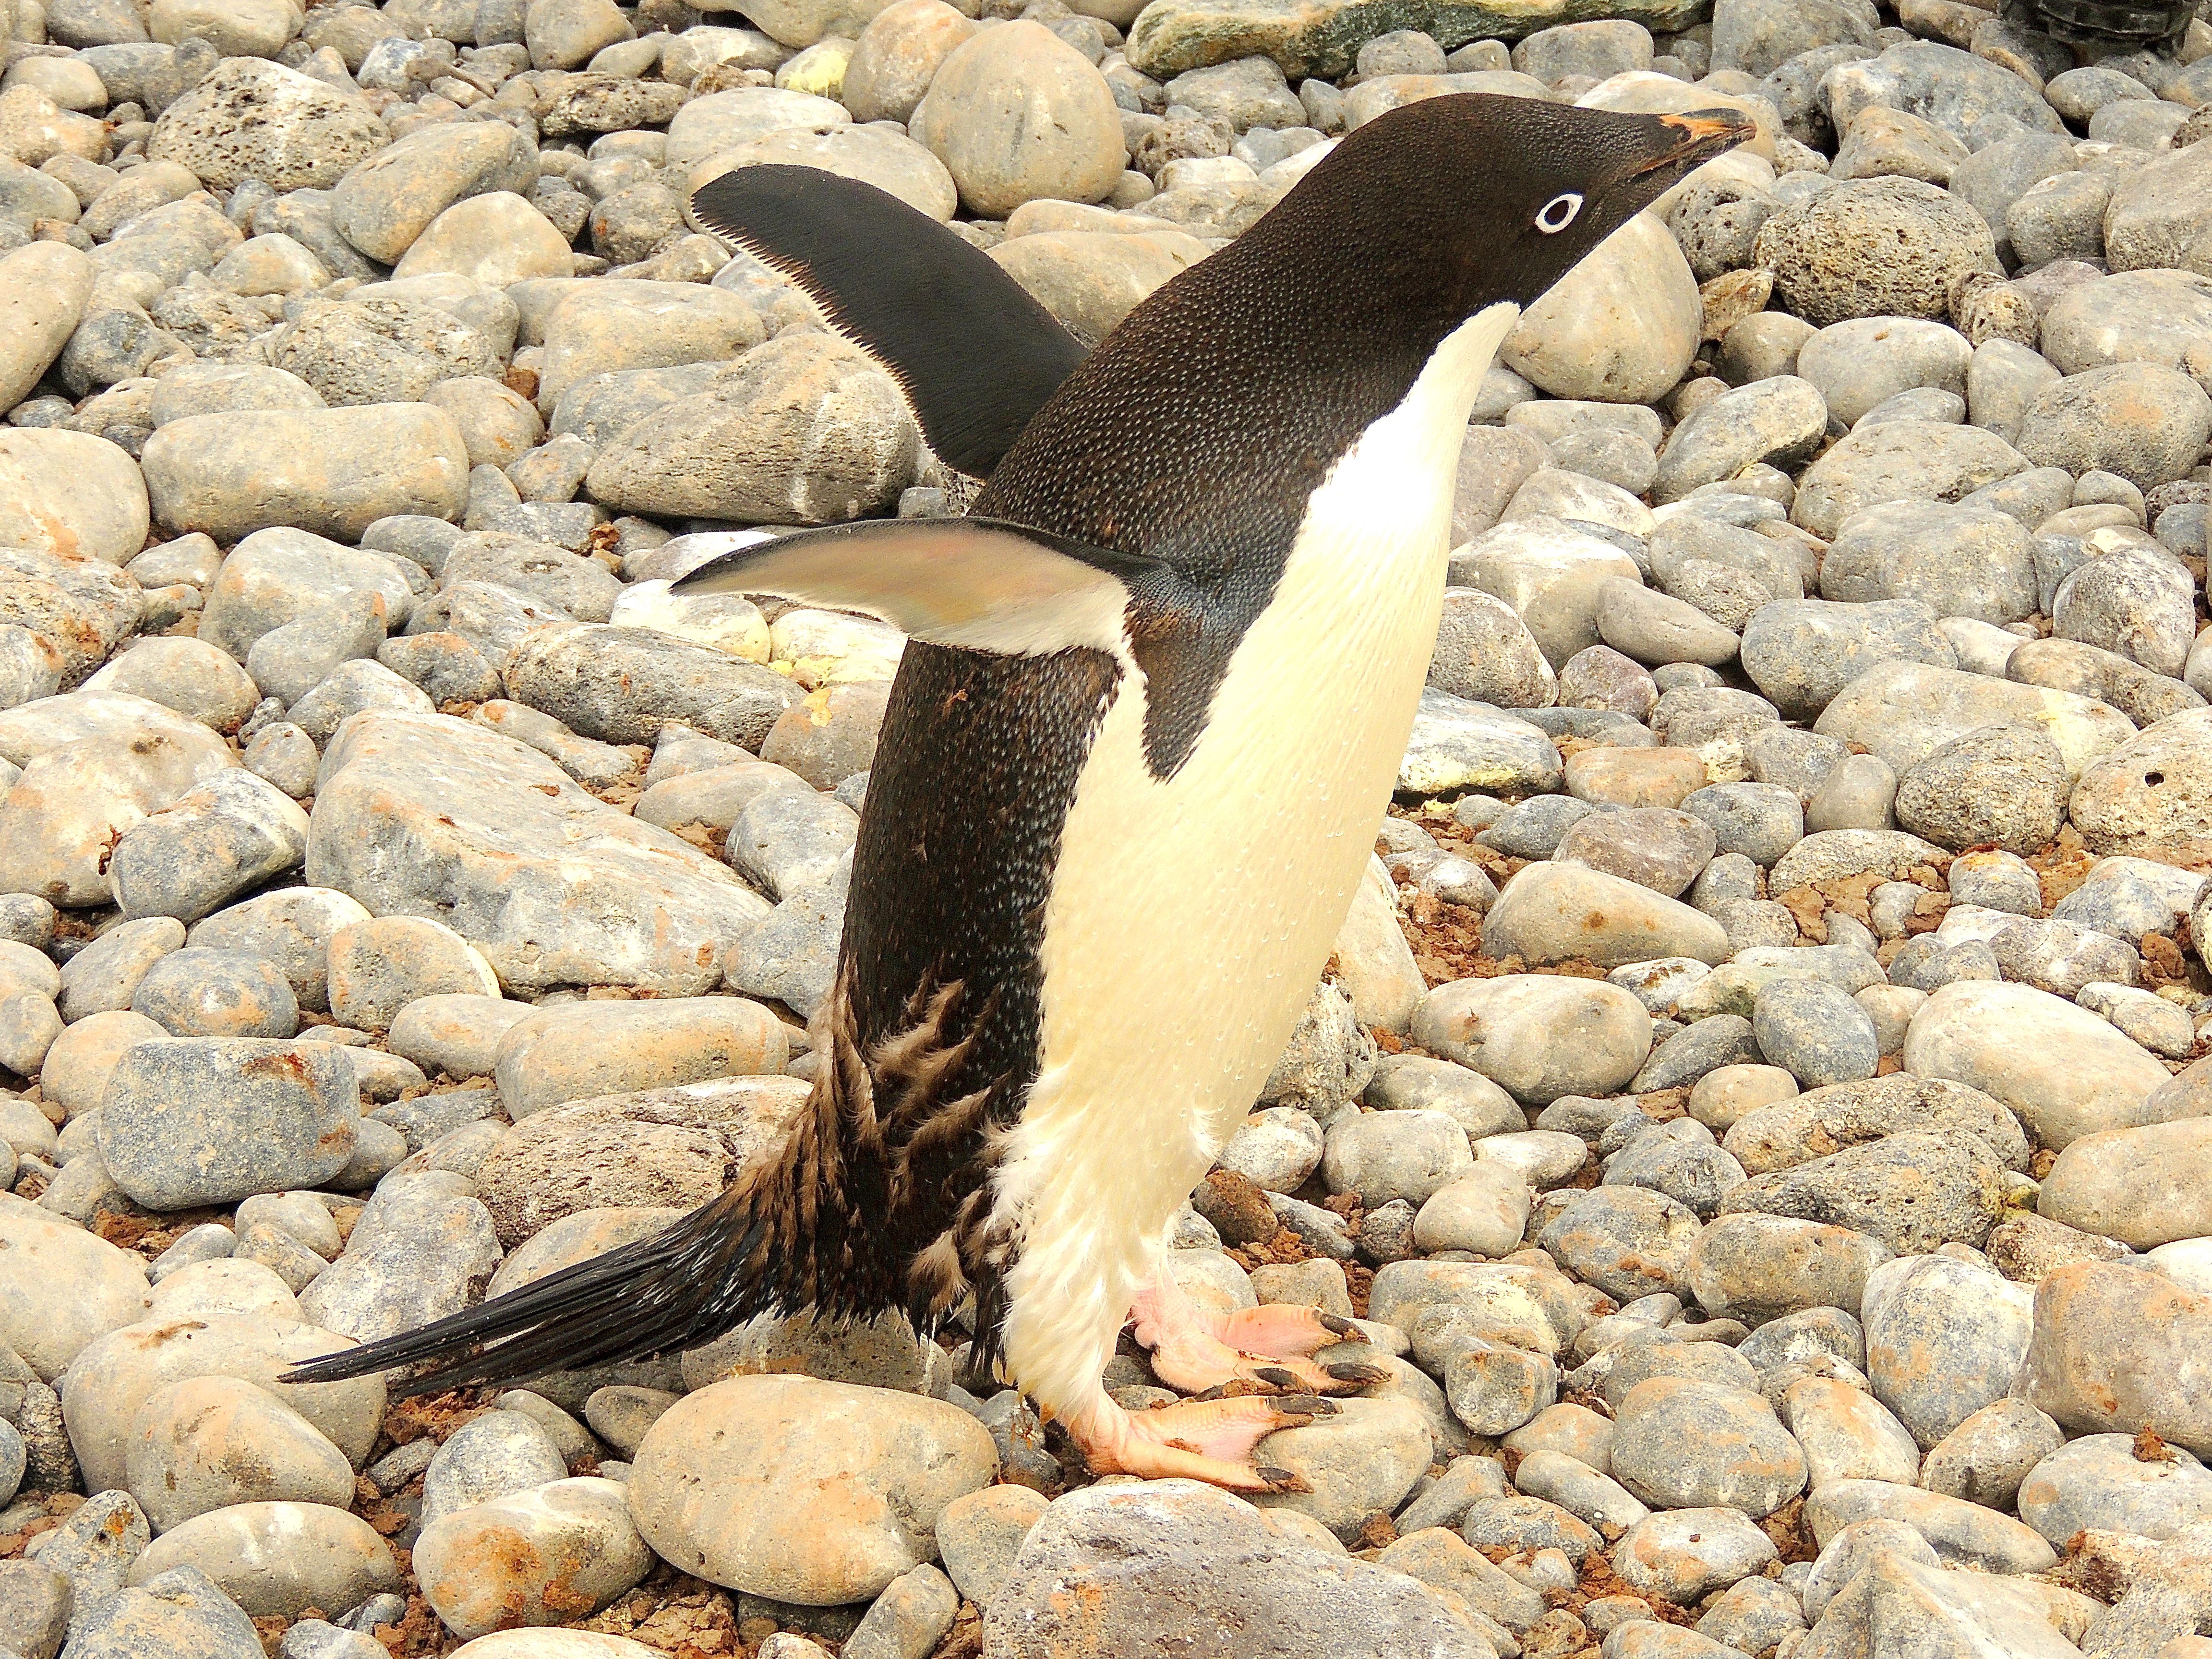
1698,136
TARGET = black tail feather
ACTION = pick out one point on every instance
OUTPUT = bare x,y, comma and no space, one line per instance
683,1287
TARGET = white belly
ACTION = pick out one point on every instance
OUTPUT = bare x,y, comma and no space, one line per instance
1190,917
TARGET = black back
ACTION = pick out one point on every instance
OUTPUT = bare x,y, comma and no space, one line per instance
1194,433
974,354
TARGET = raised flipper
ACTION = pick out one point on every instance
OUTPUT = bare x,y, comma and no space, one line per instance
977,583
975,356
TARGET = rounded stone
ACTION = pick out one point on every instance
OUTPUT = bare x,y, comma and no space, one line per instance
2000,784
1554,912
217,993
1653,846
2144,1186
1509,1030
2144,421
1388,1156
1837,255
326,472
494,239
213,1441
488,1458
276,1559
251,117
384,205
378,966
978,1534
1815,1031
1682,1556
1627,1241
1015,113
2101,1482
897,57
1621,326
212,1120
106,1288
556,1551
819,1493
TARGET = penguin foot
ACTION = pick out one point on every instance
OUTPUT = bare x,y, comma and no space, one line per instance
1191,1361
1252,1350
1209,1440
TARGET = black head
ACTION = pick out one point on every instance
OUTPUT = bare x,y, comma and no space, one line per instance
1471,198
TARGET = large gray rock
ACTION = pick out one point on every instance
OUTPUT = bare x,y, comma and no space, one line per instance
623,684
1771,420
1900,460
252,119
212,1120
1875,248
328,471
1622,325
1801,653
1957,561
2116,1349
804,429
423,815
382,205
1904,712
106,1288
1110,1568
2063,1071
1554,912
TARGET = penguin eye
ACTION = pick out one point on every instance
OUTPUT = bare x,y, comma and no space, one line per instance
1556,214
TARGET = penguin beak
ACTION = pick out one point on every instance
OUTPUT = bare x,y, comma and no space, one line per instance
1697,136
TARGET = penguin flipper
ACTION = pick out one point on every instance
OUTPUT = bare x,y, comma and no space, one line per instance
975,356
977,584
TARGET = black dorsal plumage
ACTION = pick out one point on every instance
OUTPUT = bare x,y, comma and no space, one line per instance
975,356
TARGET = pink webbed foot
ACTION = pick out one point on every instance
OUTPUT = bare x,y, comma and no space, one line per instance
1265,1349
1209,1440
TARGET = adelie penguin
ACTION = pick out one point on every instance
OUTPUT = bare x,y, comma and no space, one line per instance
1157,689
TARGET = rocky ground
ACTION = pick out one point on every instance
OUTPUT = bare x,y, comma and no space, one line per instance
1750,1108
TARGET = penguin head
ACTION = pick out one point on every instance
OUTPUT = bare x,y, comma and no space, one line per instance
1473,198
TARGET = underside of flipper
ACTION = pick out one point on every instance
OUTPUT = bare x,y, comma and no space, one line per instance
977,583
975,356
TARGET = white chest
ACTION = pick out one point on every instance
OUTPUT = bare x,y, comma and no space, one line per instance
1190,916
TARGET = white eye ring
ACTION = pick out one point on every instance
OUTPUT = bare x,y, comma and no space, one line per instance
1556,214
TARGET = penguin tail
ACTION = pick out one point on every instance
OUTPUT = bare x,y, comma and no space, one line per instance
696,1279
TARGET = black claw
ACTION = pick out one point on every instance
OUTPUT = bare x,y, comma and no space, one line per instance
1355,1370
1282,1479
1307,1405
1338,1325
1218,1391
1277,1375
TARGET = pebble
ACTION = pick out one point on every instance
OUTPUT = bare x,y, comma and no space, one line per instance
2105,1350
1944,1338
2077,1074
1682,1444
1554,912
1683,1555
181,1610
1507,1030
541,1553
273,1560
